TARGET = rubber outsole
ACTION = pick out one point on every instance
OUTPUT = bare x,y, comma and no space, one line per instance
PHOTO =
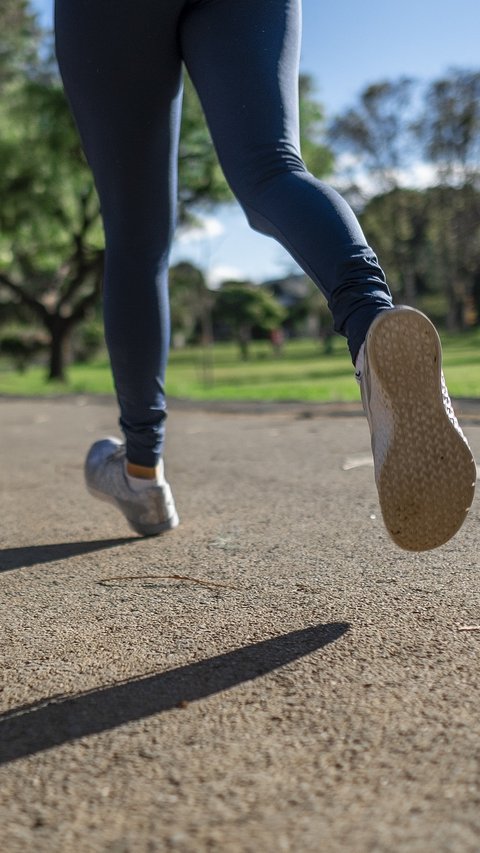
142,530
425,470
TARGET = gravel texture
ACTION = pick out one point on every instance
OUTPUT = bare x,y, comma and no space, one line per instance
274,675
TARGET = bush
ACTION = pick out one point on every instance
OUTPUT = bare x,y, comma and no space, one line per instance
21,346
88,341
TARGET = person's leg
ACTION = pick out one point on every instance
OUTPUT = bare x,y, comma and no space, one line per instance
121,70
243,60
122,74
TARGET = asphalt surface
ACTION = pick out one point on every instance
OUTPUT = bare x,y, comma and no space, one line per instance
274,675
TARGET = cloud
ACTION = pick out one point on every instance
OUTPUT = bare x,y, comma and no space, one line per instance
222,272
418,175
207,228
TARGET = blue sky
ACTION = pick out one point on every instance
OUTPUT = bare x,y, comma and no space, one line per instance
346,45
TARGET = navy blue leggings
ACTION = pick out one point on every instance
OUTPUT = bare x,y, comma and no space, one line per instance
121,63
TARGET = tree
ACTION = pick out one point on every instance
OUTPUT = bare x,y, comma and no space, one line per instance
405,250
50,232
450,132
190,303
449,127
379,131
19,40
313,314
242,306
51,238
454,225
316,153
427,219
388,131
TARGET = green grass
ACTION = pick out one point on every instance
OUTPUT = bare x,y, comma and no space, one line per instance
303,372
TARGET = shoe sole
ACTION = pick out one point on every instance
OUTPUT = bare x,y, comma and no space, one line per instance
142,530
427,481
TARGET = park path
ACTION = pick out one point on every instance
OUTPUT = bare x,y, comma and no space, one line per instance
272,676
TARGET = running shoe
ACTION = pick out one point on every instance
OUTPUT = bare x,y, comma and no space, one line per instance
148,512
424,469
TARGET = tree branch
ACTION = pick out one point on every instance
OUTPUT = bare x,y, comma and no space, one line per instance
87,302
24,297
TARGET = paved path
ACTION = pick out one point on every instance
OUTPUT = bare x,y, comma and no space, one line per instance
272,676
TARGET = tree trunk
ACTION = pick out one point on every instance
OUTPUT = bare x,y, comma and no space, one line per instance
243,337
59,329
409,287
476,296
455,312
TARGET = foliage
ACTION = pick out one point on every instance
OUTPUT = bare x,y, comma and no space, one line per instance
243,307
313,314
433,247
21,345
51,238
87,341
397,224
190,303
51,242
449,127
19,40
378,130
427,239
316,153
301,374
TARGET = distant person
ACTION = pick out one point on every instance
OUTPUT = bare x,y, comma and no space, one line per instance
277,340
121,64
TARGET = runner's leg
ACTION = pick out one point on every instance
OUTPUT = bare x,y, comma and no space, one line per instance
122,74
243,59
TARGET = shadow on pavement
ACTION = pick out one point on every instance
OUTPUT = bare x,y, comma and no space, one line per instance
32,728
33,555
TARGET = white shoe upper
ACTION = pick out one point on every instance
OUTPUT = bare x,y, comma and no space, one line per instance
150,510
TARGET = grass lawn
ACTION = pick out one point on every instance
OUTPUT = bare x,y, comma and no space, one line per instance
303,372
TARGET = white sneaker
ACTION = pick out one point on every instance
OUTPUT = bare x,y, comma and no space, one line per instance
424,469
150,511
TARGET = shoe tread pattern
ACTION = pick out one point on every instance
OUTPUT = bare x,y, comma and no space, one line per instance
427,473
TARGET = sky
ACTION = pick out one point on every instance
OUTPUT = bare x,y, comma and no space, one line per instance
346,46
